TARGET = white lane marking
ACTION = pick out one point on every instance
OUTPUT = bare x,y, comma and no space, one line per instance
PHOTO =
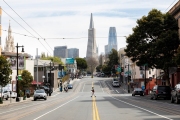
83,88
142,109
55,108
28,106
101,87
110,86
117,91
55,95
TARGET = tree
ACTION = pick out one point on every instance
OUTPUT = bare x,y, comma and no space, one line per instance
99,68
92,63
113,60
55,59
5,72
26,81
81,63
43,55
154,41
106,70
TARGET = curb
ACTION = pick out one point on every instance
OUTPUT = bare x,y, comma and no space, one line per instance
14,102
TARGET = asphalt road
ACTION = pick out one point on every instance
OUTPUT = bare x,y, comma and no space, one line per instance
77,104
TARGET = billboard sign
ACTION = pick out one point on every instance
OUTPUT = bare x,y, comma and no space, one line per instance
13,62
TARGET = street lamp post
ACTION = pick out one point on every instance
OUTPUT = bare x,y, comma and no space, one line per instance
50,76
128,80
17,98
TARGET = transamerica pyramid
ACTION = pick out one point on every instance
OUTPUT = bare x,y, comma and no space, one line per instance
91,46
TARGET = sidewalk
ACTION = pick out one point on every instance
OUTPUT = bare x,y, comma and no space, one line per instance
13,101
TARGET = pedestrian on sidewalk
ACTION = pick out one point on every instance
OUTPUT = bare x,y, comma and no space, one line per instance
93,92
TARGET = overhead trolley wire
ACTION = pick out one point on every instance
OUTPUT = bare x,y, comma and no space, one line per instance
54,38
26,30
27,24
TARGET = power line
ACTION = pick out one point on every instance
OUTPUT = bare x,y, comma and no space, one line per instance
170,5
25,29
54,38
27,23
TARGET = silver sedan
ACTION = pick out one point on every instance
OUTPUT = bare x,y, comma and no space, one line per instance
40,94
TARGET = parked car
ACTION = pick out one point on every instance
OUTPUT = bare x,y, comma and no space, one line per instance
70,86
175,94
114,79
115,84
137,91
160,92
40,94
47,90
2,95
8,94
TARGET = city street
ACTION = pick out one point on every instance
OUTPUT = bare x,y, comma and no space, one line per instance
110,103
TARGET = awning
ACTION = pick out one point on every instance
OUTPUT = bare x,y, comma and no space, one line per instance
35,82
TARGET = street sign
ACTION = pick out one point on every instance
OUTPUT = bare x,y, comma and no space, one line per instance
119,69
69,60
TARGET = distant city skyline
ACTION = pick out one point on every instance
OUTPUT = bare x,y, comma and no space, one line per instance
65,23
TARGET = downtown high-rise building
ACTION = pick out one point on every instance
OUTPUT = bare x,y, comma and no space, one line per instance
73,53
92,51
112,39
106,49
60,51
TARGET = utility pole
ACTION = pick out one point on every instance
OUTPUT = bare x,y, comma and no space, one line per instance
128,79
37,65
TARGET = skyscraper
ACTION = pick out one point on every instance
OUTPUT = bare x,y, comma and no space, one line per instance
106,49
91,46
60,51
73,53
112,39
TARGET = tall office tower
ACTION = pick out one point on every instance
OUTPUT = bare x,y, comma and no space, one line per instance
60,51
91,46
112,39
73,53
106,49
0,30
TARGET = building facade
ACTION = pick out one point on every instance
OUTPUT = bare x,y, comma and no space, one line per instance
91,46
112,39
60,51
73,53
175,74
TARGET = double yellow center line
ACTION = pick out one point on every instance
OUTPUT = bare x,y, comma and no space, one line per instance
95,110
